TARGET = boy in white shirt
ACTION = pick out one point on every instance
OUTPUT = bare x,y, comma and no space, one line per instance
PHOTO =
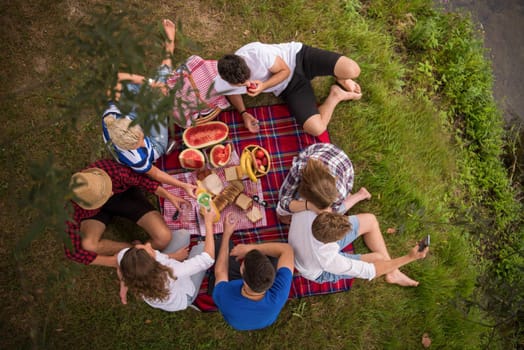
318,240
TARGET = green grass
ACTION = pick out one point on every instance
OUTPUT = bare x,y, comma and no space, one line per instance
429,169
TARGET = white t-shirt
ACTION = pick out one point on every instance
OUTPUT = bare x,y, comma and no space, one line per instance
312,257
181,288
260,58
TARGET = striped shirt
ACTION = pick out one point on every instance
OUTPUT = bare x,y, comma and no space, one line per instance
338,164
122,179
140,159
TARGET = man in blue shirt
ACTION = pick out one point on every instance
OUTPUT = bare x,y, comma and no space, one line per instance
255,301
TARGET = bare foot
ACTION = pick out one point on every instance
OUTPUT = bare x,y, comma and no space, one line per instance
349,85
397,277
363,193
353,199
251,123
341,95
169,28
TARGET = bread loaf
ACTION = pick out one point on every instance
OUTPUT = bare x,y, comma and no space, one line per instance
228,195
243,202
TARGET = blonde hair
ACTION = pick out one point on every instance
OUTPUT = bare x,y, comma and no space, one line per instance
330,227
317,185
121,134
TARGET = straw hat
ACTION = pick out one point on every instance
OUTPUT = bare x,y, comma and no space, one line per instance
91,188
122,133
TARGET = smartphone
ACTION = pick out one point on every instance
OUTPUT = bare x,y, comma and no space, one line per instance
423,243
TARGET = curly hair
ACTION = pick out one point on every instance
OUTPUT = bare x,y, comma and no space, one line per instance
317,185
121,134
144,276
330,227
233,69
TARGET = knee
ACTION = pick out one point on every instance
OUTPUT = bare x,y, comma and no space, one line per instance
373,220
347,68
161,238
319,131
368,222
315,128
90,245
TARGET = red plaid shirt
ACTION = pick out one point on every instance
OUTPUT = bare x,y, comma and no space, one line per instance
122,178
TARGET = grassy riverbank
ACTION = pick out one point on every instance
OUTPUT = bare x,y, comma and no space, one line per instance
426,140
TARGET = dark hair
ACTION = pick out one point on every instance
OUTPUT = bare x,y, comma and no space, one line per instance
233,69
330,227
259,273
144,276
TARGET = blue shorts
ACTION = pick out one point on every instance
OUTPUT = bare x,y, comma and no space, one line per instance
157,136
344,242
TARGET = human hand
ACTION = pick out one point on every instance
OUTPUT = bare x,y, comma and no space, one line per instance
123,287
180,254
240,250
160,86
123,293
178,202
230,223
254,88
251,123
416,255
209,215
191,190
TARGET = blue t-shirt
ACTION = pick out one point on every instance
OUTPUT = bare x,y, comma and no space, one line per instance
244,314
140,159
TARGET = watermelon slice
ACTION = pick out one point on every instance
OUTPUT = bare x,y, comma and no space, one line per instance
205,135
191,158
220,155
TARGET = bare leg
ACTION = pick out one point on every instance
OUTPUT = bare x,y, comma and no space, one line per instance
345,71
93,242
156,227
318,123
353,199
369,229
170,29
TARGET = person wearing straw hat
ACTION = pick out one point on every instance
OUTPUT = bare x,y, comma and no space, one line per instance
106,189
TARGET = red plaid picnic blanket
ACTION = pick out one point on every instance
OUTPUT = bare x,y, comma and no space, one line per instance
283,139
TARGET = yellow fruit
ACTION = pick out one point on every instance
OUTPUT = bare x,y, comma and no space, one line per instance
249,168
243,164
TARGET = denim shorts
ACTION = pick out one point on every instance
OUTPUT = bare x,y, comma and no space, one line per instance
345,241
